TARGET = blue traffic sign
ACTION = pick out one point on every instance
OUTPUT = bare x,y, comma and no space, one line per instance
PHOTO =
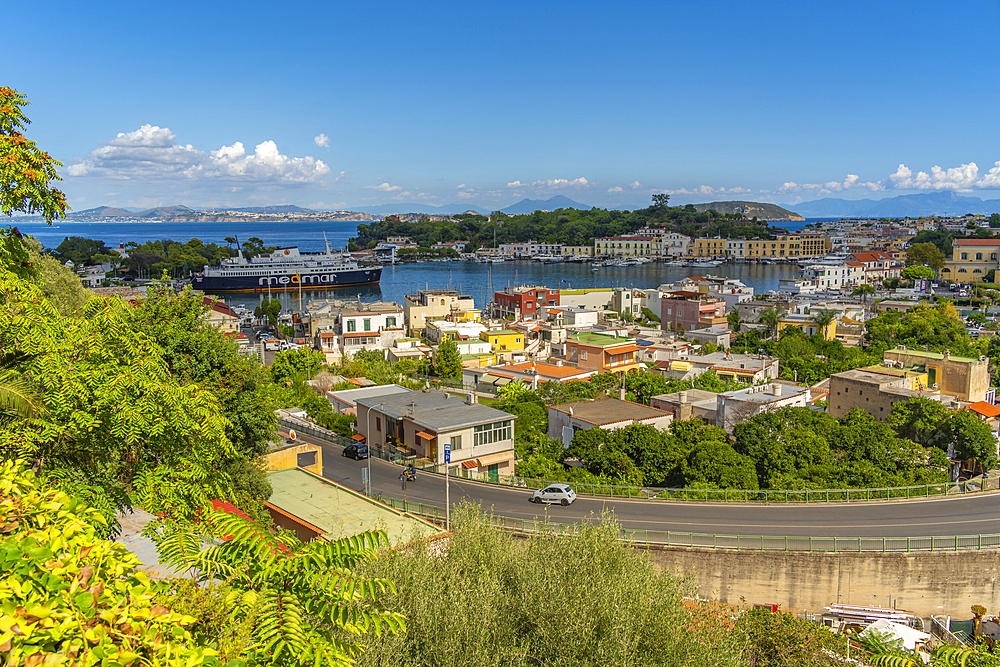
447,453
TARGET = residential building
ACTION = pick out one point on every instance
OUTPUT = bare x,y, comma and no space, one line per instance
895,305
971,260
592,298
530,373
742,368
878,266
965,378
433,304
602,353
578,250
524,302
730,290
684,311
370,326
420,423
707,248
872,391
835,276
409,348
736,407
607,413
93,276
345,400
808,325
439,330
221,315
624,246
718,336
688,404
504,340
572,317
672,244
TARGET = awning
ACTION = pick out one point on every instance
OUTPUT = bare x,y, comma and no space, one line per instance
490,459
471,463
358,437
425,435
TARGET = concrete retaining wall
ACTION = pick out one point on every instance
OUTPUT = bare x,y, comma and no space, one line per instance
924,583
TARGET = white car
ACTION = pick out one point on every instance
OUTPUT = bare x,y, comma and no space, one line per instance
554,493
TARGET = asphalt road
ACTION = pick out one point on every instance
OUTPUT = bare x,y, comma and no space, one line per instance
963,515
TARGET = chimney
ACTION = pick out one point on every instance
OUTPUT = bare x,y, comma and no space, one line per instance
621,393
776,389
683,397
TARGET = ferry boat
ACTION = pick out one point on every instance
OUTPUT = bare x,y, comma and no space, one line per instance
285,268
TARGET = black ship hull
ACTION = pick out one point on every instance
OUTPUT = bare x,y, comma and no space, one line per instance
322,280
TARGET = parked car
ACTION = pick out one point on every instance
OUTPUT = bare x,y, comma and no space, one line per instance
554,493
356,452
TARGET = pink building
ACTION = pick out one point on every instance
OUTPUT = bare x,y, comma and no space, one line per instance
685,311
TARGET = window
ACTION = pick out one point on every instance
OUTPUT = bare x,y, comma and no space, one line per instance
965,255
352,326
487,434
390,322
979,256
378,424
368,324
456,442
583,355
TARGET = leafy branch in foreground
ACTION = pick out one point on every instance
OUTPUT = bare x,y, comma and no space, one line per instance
304,602
68,597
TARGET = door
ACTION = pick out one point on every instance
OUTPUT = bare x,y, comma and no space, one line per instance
493,472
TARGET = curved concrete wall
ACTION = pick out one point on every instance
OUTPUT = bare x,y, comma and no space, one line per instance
925,583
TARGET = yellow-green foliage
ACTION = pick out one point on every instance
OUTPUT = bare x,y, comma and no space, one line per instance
68,597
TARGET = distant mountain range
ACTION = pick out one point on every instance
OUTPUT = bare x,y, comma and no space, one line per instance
913,206
750,209
523,206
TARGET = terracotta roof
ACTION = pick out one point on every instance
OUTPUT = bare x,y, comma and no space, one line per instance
983,408
994,242
542,369
219,307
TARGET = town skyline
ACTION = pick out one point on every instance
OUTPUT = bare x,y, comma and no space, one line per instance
370,106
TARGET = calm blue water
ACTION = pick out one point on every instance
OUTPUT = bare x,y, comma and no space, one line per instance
473,278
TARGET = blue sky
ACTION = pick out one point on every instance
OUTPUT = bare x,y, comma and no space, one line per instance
335,105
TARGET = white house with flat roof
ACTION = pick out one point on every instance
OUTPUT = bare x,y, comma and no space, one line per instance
736,407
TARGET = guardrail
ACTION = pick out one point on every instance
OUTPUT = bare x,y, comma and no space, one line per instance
674,494
934,543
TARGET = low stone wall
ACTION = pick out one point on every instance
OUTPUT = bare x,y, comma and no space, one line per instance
924,583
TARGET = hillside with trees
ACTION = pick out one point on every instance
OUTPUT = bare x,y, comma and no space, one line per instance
569,226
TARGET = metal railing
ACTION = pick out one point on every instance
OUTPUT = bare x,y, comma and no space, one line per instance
679,494
741,542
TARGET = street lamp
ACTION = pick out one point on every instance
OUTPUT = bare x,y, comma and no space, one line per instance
368,442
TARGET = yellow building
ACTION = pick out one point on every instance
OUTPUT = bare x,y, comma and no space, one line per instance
971,260
504,340
707,248
806,323
625,246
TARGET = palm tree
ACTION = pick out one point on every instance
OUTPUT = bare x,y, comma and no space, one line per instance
772,318
822,319
864,291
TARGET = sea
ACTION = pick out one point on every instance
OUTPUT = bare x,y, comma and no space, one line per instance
472,278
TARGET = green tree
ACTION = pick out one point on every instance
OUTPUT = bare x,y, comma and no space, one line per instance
918,273
60,286
733,317
79,250
824,318
448,363
925,254
26,172
300,364
305,602
974,439
771,318
995,220
80,596
269,308
923,421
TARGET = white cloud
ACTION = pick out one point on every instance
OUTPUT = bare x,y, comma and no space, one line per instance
384,187
963,178
515,184
460,187
635,185
151,153
322,140
616,189
466,195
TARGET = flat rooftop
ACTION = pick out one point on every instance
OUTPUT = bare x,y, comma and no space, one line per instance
350,396
609,411
434,410
600,340
339,512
